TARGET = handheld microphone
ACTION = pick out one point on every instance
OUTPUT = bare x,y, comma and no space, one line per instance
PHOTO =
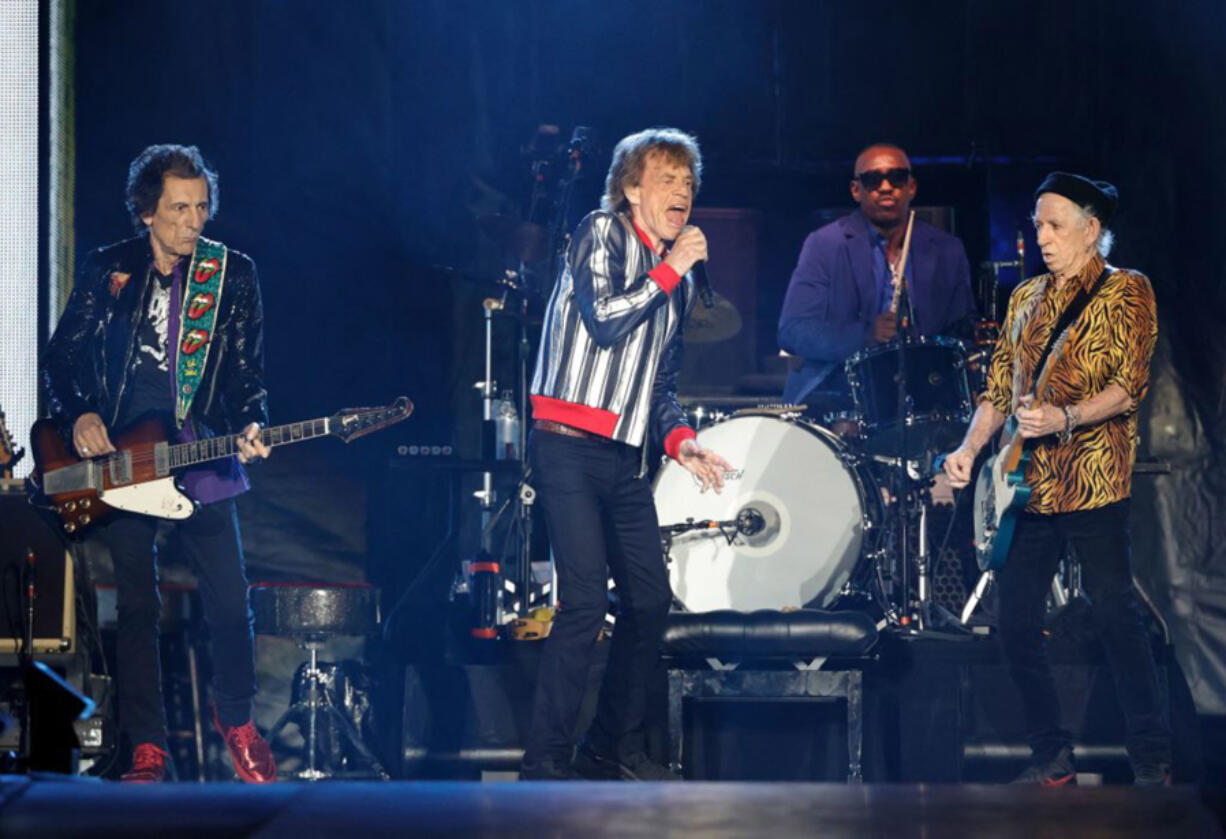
703,284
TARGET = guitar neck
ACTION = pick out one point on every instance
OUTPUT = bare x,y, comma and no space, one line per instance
215,448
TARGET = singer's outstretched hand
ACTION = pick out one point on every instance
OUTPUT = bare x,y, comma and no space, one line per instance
703,464
689,247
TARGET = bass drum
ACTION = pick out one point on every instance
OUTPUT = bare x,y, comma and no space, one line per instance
813,507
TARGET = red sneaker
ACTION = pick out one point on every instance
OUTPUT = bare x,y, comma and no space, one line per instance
148,765
249,752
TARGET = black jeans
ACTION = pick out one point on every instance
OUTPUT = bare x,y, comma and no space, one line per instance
210,539
601,518
1101,540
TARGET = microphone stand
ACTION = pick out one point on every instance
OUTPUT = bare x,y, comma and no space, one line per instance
26,659
921,609
904,476
903,322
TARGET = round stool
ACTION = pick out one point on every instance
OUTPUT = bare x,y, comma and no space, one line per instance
311,614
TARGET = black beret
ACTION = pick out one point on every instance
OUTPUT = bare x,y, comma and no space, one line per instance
1100,196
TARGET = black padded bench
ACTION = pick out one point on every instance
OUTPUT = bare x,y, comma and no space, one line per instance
735,644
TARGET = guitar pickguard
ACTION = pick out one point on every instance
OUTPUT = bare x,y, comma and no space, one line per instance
159,498
1000,497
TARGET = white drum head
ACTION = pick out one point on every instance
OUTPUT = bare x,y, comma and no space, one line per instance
810,502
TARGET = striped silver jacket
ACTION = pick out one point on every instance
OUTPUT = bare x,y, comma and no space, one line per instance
611,344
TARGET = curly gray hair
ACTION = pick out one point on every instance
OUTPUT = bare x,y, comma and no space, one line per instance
630,157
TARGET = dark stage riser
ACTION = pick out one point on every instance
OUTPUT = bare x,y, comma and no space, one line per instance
934,711
958,716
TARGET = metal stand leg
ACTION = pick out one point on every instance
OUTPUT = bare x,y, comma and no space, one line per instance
312,772
921,563
193,671
930,613
855,726
676,702
305,714
981,588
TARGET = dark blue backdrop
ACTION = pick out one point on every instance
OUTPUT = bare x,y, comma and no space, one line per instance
357,141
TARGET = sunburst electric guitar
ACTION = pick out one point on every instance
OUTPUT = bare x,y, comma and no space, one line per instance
140,476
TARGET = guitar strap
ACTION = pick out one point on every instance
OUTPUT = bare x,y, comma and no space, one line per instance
1071,312
196,320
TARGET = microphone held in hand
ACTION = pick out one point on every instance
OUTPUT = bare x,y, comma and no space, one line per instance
703,284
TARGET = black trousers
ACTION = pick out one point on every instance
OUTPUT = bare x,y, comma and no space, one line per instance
210,539
601,518
1102,543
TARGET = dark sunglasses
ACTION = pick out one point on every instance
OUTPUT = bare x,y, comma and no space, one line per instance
872,180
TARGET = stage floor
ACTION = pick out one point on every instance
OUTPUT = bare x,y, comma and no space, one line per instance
98,810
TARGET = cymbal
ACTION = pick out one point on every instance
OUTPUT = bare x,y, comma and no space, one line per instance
522,240
718,323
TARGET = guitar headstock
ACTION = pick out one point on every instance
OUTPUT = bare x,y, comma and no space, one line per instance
353,423
9,454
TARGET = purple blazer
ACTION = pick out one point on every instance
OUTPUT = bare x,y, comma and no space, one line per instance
831,302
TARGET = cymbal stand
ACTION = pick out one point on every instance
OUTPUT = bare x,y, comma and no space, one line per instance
519,581
991,294
903,312
514,301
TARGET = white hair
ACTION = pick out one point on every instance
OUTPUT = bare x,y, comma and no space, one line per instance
1106,239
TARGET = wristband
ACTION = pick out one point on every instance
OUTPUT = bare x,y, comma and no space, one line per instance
1068,424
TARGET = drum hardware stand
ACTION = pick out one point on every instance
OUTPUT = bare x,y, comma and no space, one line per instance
981,588
904,321
516,281
582,141
520,581
930,613
992,295
314,698
487,387
748,522
1066,583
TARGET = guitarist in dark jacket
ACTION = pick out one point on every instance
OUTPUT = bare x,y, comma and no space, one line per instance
170,324
1081,432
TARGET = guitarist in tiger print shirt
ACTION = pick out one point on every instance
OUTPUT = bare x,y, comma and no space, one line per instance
170,324
1081,432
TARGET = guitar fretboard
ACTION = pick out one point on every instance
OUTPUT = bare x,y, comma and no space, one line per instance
188,454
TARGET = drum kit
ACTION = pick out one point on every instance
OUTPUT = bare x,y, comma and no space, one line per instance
818,518
828,504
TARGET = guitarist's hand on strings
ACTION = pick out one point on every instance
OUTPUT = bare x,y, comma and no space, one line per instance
250,447
89,436
1038,422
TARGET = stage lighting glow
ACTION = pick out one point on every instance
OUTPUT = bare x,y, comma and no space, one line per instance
19,217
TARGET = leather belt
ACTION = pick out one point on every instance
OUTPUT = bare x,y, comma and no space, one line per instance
567,431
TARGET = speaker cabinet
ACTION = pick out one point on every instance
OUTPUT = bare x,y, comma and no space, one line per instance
25,529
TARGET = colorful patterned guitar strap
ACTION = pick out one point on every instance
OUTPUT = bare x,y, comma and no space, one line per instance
206,277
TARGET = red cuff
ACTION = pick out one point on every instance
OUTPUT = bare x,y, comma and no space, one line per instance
672,443
665,277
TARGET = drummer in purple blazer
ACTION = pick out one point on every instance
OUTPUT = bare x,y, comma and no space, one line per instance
838,301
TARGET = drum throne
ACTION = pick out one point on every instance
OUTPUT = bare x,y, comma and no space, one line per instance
732,654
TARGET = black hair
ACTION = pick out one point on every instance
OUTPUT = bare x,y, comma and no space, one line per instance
147,171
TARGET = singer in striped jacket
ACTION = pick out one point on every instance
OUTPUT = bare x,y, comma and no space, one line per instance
605,380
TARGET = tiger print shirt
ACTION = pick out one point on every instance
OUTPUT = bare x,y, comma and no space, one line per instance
1111,342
